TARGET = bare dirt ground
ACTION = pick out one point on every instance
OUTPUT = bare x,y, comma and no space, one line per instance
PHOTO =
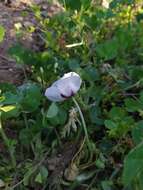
10,17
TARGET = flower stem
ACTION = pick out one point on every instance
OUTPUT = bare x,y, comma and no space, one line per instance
83,122
6,141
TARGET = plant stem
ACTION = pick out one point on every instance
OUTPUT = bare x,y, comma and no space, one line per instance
83,122
27,127
6,141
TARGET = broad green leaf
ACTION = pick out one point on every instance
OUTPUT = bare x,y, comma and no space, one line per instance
137,132
95,115
52,111
140,182
108,50
117,113
73,4
133,165
2,33
60,118
73,64
110,124
90,74
107,185
30,96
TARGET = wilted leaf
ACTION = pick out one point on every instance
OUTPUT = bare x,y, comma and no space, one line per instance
7,108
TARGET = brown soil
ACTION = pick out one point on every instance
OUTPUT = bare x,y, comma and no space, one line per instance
12,16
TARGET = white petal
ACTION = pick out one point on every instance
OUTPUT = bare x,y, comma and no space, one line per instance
70,74
53,94
69,84
63,88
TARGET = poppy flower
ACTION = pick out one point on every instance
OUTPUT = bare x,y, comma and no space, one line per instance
64,88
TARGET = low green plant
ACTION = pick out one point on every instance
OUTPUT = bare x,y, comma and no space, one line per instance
102,125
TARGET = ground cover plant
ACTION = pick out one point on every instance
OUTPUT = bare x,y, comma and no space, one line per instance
92,139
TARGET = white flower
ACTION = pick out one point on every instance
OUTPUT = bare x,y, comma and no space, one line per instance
64,88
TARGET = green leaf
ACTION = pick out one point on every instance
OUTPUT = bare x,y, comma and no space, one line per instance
90,74
86,3
73,4
2,33
10,98
95,115
25,136
107,185
42,175
22,55
38,178
140,182
133,165
28,175
73,64
117,113
100,163
52,111
110,124
141,96
108,50
44,172
30,96
137,132
133,105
